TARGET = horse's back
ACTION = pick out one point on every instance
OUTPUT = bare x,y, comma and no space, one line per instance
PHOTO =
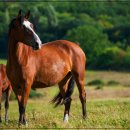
65,46
68,49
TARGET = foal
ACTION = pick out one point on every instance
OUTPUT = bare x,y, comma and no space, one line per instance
5,86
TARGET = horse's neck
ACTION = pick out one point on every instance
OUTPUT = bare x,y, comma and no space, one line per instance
18,52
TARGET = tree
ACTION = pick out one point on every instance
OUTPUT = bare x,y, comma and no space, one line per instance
91,40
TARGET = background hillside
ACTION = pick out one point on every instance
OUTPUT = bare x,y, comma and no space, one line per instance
102,29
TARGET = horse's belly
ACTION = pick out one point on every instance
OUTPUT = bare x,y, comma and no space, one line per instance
37,84
52,75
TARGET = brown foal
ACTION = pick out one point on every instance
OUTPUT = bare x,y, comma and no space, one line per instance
5,86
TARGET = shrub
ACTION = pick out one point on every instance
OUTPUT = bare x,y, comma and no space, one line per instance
111,58
99,87
112,82
96,82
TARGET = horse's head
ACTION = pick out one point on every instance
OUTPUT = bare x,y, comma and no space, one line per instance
22,31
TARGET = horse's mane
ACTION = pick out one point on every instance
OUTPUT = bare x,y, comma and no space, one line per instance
11,25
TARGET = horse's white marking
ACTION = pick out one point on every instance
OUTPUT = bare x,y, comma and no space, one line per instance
27,25
66,118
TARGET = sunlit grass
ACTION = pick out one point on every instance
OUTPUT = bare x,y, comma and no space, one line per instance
108,113
3,61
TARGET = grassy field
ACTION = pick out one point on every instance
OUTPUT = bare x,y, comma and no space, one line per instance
102,112
108,107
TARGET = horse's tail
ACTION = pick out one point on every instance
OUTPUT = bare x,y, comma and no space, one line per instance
58,99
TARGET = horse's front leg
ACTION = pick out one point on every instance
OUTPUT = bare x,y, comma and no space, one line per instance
22,105
8,92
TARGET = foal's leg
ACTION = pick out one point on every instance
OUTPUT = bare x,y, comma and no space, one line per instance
79,78
8,92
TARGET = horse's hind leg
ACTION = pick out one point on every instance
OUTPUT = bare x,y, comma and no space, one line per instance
63,86
79,78
8,92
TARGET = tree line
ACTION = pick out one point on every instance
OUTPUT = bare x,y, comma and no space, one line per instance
102,29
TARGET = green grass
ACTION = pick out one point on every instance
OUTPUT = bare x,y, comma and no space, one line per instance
108,113
3,61
102,113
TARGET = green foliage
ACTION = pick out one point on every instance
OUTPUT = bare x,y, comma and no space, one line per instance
96,26
91,40
111,58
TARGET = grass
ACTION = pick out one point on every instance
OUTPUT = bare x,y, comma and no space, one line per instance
3,61
102,112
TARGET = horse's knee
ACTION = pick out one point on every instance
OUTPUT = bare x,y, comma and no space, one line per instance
82,96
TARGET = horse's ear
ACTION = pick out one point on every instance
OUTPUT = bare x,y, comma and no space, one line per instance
27,15
19,14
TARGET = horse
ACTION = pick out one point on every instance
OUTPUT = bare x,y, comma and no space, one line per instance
32,64
5,86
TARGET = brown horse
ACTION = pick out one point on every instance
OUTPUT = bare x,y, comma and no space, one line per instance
33,65
5,86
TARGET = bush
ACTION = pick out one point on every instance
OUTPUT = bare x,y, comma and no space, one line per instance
111,58
96,82
126,61
112,83
99,87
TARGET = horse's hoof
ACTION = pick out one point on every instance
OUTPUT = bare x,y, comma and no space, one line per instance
66,118
23,124
84,117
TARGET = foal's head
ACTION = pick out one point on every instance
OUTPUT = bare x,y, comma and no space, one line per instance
22,31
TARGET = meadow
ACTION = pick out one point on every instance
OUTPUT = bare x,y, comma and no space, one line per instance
108,106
